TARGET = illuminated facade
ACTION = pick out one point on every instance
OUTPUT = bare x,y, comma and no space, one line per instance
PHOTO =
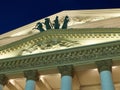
86,56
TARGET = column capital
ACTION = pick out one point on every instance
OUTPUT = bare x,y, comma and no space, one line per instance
104,65
31,75
66,70
3,79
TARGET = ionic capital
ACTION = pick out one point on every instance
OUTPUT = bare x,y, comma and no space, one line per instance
66,70
31,75
3,79
104,65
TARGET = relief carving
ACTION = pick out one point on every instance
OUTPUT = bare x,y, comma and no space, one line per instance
69,56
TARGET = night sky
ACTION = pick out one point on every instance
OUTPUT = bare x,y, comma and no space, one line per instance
16,13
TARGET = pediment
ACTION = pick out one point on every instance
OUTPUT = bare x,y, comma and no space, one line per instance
53,40
86,27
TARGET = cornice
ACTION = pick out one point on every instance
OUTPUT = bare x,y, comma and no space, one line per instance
65,34
73,56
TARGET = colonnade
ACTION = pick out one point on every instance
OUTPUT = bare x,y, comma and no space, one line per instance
104,68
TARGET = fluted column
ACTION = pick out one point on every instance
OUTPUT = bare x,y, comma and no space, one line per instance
66,77
32,76
3,81
105,69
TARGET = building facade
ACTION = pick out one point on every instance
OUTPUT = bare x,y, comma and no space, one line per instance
84,56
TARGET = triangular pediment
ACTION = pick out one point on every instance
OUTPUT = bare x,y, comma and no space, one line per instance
86,27
53,40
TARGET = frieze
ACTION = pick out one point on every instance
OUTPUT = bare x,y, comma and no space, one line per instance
72,56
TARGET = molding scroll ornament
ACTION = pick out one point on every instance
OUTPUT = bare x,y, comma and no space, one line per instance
31,75
66,70
104,65
3,79
49,45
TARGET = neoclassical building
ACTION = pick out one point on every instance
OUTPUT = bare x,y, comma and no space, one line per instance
85,56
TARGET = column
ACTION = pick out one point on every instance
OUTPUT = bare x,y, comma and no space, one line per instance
105,69
66,77
3,81
32,76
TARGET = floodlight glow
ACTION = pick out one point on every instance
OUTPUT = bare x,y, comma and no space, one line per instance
12,81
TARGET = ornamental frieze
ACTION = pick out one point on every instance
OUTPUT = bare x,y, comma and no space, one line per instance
73,56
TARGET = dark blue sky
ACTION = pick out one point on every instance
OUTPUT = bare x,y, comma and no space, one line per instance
16,13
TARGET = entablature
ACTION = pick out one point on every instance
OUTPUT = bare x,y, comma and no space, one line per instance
75,56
